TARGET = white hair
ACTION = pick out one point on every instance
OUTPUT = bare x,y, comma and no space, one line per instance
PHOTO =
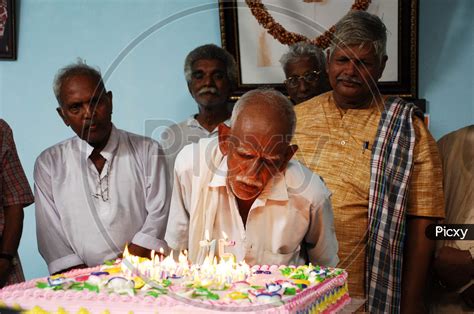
211,52
275,98
358,28
303,49
73,69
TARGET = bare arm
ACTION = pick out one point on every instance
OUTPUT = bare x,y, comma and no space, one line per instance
13,229
418,254
453,267
11,237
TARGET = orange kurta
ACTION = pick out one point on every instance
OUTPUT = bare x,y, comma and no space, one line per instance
337,144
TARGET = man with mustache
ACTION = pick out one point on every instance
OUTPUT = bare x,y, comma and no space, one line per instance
101,189
305,72
382,165
244,184
211,74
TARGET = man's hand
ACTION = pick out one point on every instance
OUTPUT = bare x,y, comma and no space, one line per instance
454,267
468,296
143,252
5,266
139,250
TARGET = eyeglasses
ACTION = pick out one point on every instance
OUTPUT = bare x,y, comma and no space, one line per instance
310,77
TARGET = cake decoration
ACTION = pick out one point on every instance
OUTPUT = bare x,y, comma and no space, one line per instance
165,284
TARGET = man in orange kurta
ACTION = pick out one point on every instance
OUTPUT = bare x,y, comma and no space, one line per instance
335,134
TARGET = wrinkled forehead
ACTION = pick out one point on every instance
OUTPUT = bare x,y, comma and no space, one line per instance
205,63
352,50
259,141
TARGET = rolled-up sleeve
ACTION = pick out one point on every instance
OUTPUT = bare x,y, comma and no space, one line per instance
52,241
16,189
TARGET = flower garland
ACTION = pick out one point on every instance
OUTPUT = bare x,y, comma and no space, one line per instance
259,11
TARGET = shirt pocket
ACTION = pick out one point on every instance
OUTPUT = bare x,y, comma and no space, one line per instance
358,176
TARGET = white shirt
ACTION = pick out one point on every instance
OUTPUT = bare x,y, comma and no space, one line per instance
178,135
76,223
291,222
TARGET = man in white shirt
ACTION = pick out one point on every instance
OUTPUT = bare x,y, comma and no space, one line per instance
243,183
211,74
101,189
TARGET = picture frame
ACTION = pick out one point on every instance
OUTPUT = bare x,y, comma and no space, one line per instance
234,17
8,49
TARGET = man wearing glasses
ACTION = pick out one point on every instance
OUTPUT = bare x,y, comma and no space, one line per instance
101,189
305,72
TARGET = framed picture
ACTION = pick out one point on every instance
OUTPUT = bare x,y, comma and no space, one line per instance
7,30
258,53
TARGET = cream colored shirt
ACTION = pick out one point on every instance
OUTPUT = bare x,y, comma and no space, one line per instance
337,145
289,223
457,154
178,135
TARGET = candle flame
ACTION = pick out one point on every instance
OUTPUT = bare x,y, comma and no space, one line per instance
224,235
206,236
126,253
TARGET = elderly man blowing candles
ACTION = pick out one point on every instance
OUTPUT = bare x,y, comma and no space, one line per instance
245,184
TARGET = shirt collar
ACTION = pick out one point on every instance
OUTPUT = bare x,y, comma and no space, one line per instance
373,107
109,150
193,123
275,189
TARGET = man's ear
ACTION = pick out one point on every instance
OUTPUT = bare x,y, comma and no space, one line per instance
109,96
328,56
290,152
383,62
189,89
223,134
59,110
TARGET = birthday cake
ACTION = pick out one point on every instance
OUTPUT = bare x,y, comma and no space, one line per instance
138,285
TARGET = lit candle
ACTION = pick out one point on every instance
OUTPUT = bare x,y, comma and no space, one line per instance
222,244
208,245
162,252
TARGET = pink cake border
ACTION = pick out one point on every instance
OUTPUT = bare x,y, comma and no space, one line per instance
300,301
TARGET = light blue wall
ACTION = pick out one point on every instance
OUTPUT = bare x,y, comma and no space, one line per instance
147,83
446,68
147,80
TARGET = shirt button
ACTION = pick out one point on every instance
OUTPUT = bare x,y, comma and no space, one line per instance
343,142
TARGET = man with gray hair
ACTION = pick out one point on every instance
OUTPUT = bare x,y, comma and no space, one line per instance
382,165
211,75
244,184
305,72
101,189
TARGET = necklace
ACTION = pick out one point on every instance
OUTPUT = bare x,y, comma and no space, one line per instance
102,190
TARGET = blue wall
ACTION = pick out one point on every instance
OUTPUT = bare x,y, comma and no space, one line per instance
446,51
147,80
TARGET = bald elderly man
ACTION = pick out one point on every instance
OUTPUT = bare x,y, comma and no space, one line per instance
245,184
